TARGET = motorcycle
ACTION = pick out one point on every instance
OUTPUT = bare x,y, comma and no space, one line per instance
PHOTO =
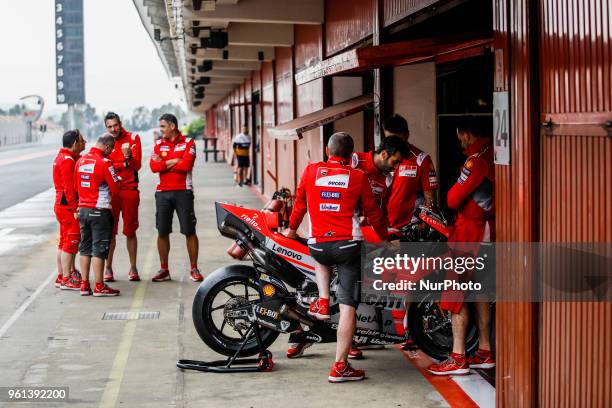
239,310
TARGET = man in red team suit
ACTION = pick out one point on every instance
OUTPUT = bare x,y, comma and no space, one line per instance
173,159
97,184
415,181
331,192
65,209
472,197
127,160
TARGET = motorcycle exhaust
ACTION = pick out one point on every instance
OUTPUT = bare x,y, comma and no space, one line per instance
293,315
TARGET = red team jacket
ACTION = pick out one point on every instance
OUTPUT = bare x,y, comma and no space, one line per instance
472,194
63,179
412,177
96,180
379,182
127,169
179,176
331,192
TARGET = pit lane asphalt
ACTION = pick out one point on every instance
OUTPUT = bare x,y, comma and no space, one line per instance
61,339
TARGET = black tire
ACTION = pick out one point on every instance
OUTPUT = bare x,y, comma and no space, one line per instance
436,343
202,312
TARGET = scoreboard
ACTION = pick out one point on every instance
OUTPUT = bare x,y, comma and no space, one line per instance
69,63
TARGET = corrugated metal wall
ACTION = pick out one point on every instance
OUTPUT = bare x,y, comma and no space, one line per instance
347,23
576,191
284,110
395,10
515,207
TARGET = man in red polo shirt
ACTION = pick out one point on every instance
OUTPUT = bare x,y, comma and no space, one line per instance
97,184
173,159
127,159
472,197
65,209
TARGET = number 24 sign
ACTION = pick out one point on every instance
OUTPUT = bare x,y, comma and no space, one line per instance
501,128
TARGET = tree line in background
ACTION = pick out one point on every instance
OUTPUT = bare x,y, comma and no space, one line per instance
16,110
91,124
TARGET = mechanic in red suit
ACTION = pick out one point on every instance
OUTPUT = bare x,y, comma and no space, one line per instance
472,197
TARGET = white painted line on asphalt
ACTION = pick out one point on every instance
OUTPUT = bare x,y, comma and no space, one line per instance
477,388
6,326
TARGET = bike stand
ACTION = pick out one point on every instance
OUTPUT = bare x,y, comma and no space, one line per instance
262,363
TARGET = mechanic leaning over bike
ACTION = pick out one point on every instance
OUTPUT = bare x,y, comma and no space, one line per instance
331,192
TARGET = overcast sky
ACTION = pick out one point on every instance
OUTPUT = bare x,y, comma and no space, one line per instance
122,68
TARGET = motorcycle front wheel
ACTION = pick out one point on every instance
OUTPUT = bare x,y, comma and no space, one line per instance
431,329
223,334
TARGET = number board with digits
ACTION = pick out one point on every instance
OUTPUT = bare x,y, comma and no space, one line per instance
69,64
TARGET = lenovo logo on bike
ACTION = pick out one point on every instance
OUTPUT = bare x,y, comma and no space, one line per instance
332,178
284,251
329,207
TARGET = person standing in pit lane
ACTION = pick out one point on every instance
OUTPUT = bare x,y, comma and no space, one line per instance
472,197
97,184
127,160
331,192
242,151
173,159
377,166
65,208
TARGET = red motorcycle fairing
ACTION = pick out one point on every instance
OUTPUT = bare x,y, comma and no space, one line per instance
292,251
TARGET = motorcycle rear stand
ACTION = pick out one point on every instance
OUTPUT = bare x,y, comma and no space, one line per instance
262,363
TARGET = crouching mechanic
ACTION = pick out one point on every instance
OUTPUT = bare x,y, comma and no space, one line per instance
331,192
65,209
472,197
97,184
127,159
173,158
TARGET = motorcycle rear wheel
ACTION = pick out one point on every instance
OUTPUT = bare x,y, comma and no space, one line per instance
217,331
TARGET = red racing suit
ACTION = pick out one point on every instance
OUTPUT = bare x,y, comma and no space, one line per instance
472,197
412,177
96,180
179,176
127,201
379,181
331,192
66,200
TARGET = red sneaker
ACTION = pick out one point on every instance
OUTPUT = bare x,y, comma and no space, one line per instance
76,276
297,349
101,289
85,289
58,280
482,359
162,275
196,276
455,364
342,371
70,284
319,309
133,275
108,275
355,353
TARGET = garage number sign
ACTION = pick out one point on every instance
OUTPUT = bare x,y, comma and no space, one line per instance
69,65
501,128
